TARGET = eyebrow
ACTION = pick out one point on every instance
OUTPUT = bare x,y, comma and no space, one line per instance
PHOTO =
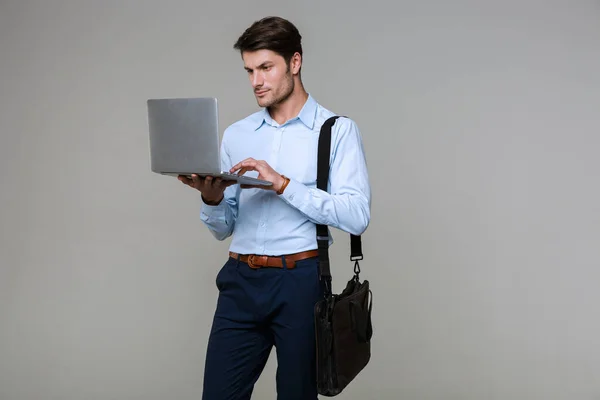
263,65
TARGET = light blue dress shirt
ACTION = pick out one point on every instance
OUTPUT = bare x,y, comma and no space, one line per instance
263,222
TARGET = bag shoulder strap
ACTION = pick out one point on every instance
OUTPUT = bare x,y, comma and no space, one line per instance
322,183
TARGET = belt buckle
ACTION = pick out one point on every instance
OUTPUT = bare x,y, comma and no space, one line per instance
251,262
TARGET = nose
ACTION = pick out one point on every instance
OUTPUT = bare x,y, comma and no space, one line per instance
257,80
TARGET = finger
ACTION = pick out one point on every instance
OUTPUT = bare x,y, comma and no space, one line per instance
249,163
238,171
185,180
247,168
243,171
239,165
209,182
196,181
203,182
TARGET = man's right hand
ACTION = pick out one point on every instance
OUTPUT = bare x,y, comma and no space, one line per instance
211,188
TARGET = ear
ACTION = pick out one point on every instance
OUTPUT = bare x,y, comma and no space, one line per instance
295,63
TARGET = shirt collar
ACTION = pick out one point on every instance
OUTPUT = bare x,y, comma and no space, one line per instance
307,115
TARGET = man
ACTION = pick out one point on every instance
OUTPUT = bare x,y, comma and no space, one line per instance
270,284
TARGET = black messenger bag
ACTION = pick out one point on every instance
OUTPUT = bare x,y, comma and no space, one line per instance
342,321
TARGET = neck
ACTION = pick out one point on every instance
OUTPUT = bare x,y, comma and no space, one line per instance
290,107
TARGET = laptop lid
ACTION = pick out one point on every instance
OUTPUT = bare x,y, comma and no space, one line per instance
184,135
184,139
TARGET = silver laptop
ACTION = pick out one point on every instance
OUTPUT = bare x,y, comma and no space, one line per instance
184,139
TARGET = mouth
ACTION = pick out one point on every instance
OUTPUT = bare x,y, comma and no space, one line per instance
260,92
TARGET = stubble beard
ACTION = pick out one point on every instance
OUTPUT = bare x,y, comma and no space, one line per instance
278,98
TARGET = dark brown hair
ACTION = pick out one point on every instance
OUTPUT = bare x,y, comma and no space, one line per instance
271,33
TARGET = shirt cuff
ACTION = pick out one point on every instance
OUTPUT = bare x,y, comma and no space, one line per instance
295,194
209,212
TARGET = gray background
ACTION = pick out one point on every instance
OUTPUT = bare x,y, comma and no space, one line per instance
481,125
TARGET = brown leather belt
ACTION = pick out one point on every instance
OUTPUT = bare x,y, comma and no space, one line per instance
258,261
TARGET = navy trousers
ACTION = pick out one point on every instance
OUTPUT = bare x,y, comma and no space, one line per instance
258,309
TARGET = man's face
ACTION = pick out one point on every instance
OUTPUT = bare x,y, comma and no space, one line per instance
270,76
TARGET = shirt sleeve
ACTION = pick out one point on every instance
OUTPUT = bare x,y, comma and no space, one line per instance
347,203
220,219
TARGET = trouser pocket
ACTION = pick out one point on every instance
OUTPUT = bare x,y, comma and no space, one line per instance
224,274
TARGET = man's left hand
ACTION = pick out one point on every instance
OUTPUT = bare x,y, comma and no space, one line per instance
265,172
